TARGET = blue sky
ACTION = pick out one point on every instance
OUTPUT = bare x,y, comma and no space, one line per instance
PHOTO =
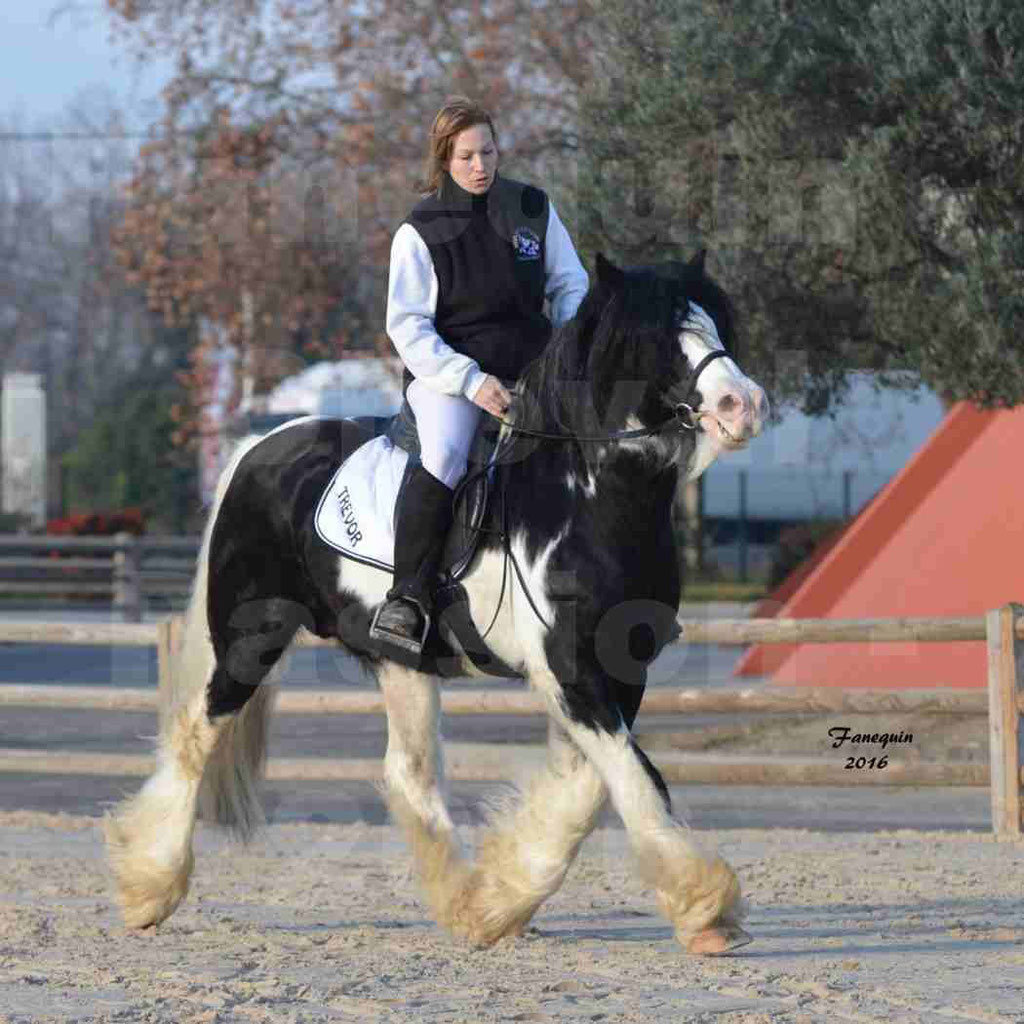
46,66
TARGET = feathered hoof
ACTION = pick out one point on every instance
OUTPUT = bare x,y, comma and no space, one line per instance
716,940
487,912
145,911
147,892
482,934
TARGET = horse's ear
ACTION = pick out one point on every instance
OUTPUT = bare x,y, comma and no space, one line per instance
607,272
697,263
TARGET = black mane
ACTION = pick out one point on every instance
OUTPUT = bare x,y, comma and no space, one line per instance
616,356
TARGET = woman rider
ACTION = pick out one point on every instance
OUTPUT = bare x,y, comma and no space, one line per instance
471,268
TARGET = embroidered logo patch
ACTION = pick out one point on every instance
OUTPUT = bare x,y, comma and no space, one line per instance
526,244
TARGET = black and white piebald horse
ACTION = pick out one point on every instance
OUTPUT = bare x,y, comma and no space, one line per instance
635,394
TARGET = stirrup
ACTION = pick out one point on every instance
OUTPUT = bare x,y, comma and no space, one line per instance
401,648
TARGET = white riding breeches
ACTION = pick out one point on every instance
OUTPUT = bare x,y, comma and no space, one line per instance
446,425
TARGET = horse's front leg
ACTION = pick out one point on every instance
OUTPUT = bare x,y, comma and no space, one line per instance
532,841
699,894
524,855
413,789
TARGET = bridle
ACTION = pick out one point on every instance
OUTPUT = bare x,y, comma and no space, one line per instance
681,409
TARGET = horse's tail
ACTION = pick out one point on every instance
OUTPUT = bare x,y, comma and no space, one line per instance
229,792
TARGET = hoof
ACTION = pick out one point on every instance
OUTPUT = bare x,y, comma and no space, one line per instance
716,941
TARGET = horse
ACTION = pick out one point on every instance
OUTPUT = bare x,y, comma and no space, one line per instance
640,390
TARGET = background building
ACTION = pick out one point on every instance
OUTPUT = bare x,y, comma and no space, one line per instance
367,386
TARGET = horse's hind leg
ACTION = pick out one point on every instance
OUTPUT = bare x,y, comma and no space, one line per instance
149,835
532,842
211,749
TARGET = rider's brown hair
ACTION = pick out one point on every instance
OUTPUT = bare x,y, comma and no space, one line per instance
457,114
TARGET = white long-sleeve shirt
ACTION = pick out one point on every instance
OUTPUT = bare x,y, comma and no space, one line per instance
413,295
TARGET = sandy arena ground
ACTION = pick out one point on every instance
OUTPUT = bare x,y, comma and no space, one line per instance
323,923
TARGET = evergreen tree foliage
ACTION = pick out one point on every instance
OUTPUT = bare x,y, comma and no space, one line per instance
126,457
855,169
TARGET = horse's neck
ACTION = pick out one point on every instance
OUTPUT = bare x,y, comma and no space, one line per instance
555,485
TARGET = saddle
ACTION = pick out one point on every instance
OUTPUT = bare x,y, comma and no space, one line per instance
356,517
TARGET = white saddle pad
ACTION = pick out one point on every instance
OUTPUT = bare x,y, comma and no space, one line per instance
356,514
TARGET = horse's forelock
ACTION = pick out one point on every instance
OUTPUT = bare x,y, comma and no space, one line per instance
707,294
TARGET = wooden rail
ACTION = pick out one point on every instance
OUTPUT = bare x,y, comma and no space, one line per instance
744,632
474,763
1002,630
124,571
721,632
657,701
96,634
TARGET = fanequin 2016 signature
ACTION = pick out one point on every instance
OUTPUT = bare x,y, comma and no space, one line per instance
841,734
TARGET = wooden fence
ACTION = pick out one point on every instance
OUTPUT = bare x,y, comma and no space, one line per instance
1002,630
125,572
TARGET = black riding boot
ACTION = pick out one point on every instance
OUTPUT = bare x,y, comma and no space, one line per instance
423,519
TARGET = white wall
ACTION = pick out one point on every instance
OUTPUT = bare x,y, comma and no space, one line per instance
348,387
23,452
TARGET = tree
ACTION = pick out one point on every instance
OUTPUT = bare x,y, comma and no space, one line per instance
233,238
67,313
856,170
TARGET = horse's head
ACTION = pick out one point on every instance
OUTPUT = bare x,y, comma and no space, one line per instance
695,375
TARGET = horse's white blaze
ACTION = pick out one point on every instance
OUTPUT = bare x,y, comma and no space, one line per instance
720,380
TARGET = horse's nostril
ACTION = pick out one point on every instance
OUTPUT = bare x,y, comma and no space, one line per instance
728,405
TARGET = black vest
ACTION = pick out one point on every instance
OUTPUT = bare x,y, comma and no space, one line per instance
488,255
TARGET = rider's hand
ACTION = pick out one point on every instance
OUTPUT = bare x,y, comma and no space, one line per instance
493,397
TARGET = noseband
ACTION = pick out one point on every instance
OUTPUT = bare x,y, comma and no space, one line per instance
686,416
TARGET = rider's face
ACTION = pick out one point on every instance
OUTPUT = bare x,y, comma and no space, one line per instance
474,159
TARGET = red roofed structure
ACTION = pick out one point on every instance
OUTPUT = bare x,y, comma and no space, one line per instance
945,537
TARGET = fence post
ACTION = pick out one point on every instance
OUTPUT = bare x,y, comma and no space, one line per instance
1005,672
128,576
743,527
168,633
